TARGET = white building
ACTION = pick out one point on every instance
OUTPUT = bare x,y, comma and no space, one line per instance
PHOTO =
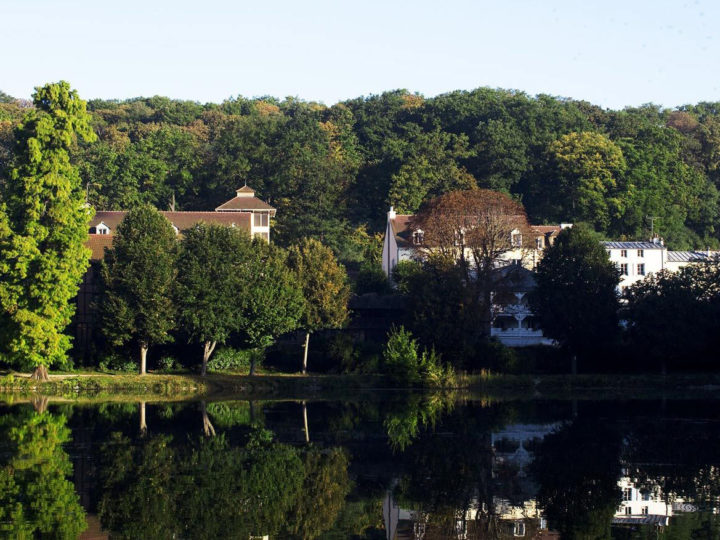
637,260
403,242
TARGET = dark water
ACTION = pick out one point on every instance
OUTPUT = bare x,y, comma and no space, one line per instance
391,465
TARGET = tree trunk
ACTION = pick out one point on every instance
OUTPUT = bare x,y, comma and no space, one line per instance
252,365
40,374
143,422
307,346
208,428
143,358
209,348
305,421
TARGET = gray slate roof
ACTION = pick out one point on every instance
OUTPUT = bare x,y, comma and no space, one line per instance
690,256
632,245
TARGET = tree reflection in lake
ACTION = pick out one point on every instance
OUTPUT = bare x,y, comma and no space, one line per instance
443,467
36,496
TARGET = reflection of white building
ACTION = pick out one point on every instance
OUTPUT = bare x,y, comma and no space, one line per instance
641,506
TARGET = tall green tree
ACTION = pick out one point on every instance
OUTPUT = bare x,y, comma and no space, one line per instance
210,292
324,287
43,228
576,297
138,275
273,299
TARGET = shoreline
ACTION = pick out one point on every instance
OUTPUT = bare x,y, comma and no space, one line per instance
99,387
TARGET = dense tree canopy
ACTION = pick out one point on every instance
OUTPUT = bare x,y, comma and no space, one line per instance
331,169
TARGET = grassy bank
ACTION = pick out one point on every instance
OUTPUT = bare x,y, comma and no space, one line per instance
155,386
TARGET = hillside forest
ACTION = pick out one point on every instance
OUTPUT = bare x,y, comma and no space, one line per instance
332,172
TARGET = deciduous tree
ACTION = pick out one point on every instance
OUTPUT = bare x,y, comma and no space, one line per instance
210,291
324,286
138,275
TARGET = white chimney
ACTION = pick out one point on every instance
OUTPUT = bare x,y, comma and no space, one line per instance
391,214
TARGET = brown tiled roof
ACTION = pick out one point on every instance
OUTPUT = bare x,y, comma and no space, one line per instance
97,244
245,204
546,229
182,220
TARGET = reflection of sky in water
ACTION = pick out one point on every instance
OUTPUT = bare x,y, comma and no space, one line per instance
414,465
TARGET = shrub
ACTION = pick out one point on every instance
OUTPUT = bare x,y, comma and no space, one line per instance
167,364
405,362
230,359
117,362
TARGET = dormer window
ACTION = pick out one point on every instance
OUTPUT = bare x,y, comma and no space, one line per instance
418,237
101,228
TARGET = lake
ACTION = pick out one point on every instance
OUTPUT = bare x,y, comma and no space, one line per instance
376,465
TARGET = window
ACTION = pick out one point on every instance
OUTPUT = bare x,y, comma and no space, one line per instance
265,236
418,237
641,253
623,253
260,220
627,494
640,269
623,269
644,510
539,242
519,528
628,511
516,239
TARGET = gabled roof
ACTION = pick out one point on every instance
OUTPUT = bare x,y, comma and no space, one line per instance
182,220
632,245
97,244
546,230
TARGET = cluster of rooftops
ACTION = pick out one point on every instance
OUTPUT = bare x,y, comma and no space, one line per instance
244,211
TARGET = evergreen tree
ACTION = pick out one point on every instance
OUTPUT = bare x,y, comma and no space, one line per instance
138,275
43,228
324,286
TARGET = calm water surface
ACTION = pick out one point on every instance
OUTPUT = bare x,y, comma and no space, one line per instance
393,465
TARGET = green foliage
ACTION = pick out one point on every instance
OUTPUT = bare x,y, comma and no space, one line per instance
324,285
139,275
587,166
211,282
37,498
166,364
274,301
229,359
43,227
576,297
406,363
673,317
117,362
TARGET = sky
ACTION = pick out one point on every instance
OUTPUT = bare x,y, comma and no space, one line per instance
611,53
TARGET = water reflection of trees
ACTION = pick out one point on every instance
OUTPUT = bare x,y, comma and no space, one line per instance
204,487
36,496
